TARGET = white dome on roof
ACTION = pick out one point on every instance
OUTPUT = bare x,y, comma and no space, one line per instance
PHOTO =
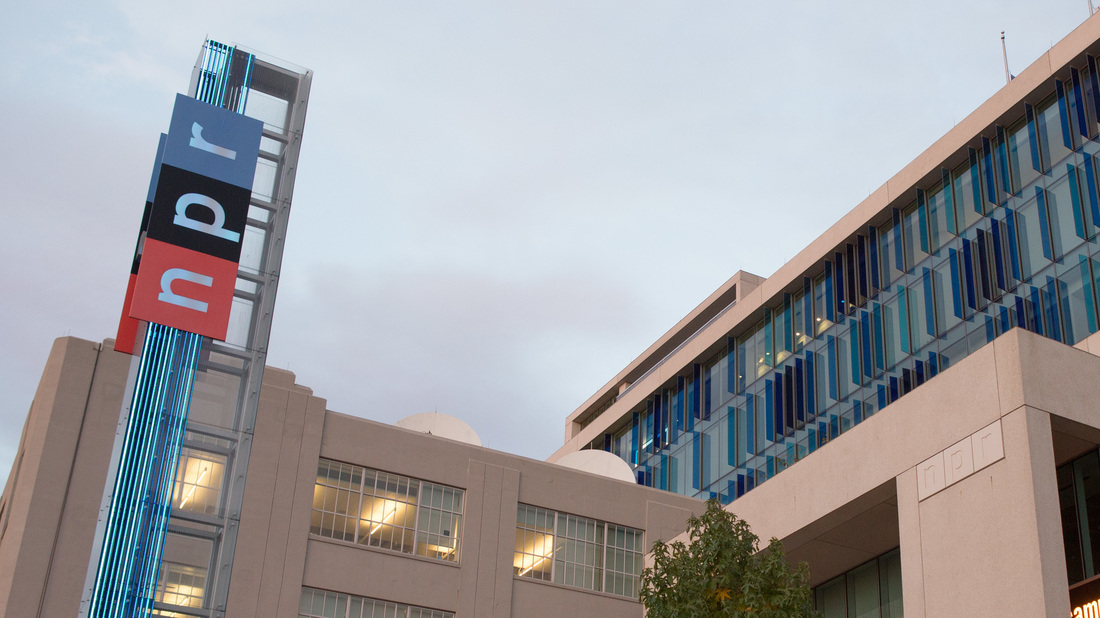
598,462
442,425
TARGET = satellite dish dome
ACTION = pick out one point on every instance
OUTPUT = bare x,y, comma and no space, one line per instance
442,425
599,462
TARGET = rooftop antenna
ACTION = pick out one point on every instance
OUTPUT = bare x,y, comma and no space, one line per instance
1091,10
1004,52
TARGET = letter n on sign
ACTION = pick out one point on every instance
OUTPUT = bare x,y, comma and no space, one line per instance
185,289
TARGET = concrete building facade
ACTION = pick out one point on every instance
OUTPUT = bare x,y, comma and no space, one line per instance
909,405
287,554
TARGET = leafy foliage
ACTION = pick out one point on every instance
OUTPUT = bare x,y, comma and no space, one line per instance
721,574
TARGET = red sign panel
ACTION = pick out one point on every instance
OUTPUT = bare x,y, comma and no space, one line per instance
185,289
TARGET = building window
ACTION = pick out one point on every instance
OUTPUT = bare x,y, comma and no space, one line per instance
871,589
324,604
199,481
389,511
1079,502
180,585
577,551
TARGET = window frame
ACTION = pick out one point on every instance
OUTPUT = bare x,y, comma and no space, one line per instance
631,582
423,509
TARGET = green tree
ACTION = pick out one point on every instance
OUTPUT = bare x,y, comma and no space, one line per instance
722,573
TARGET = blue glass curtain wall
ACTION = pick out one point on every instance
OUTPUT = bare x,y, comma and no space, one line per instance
1007,238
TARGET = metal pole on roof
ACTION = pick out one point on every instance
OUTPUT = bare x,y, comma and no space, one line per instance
1004,52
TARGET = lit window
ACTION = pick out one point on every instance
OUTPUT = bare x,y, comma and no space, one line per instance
577,551
385,510
181,585
534,542
324,604
199,481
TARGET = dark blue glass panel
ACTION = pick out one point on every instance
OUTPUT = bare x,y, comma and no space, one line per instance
1079,103
697,392
990,193
698,475
799,393
983,267
865,343
1052,321
872,252
811,386
1033,310
1044,224
839,287
770,429
830,348
878,328
751,427
971,294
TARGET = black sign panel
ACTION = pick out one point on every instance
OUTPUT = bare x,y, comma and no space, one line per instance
199,213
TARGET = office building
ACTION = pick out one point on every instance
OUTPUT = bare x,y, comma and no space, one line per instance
919,378
340,516
909,405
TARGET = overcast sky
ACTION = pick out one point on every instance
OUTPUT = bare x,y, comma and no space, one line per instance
499,204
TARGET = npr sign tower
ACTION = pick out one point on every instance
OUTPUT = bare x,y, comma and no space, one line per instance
196,318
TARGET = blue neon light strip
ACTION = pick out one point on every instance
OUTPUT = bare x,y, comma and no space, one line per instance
142,498
141,503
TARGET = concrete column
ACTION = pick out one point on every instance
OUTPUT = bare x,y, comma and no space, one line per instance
909,531
270,554
956,531
486,581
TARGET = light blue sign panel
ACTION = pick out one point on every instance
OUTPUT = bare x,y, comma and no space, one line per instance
213,142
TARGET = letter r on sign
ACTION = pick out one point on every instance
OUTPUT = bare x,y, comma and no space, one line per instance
197,141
